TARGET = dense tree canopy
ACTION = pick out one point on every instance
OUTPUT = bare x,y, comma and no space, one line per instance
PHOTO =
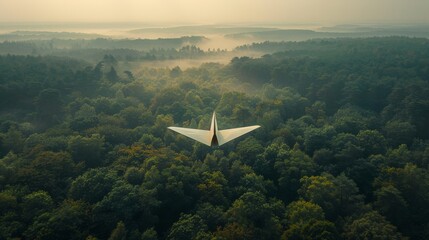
343,151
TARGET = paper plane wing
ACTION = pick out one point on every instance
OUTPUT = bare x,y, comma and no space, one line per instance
227,135
202,136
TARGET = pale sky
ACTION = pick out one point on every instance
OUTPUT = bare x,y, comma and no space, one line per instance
217,11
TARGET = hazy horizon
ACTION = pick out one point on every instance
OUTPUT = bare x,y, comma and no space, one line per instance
193,12
120,19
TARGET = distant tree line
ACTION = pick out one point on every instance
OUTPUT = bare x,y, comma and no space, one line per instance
122,49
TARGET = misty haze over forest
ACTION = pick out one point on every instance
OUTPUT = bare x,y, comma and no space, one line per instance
67,39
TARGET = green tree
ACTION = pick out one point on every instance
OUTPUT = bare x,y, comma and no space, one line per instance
212,215
371,226
149,234
324,158
318,112
399,132
306,220
212,188
125,203
161,124
257,215
132,116
390,203
299,212
241,114
350,119
35,204
251,182
112,75
85,115
175,72
347,149
248,150
265,163
399,156
174,183
119,233
372,142
187,227
337,196
49,106
8,202
70,219
12,140
130,75
413,184
234,231
134,176
93,185
11,225
49,171
317,138
87,149
290,169
85,111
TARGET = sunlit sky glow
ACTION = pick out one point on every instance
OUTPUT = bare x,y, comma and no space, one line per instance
217,11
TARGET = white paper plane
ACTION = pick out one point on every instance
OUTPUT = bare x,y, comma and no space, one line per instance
214,137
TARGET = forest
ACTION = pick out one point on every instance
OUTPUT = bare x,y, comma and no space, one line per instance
93,50
342,152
